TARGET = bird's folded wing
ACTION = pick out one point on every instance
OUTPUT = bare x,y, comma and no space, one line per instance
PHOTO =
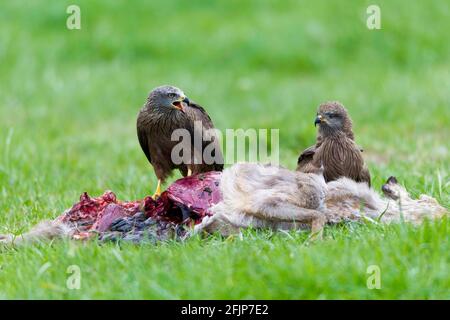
197,113
364,176
143,141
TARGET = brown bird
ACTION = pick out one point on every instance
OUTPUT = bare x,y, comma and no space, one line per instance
166,110
335,148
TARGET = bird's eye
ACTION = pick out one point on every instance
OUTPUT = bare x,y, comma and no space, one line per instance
172,95
331,115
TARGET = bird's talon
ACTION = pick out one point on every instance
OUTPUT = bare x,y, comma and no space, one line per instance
157,193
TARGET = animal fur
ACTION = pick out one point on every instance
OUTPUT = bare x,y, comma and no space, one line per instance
43,231
264,196
271,197
353,201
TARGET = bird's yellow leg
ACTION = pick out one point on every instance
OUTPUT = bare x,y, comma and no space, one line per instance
189,173
158,190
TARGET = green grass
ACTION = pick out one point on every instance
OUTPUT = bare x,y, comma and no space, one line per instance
68,102
413,264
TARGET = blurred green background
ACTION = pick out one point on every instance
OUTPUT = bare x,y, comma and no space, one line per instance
69,98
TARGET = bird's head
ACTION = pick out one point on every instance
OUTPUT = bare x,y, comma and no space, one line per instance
168,98
332,117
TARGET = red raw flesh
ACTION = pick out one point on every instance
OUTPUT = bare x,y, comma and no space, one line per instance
195,194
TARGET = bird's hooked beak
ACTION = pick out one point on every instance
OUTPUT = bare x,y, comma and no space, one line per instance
178,104
318,120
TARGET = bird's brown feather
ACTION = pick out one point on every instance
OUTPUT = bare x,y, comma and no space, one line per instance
155,128
197,113
142,137
336,152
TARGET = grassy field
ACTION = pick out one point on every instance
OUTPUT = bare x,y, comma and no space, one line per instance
69,99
